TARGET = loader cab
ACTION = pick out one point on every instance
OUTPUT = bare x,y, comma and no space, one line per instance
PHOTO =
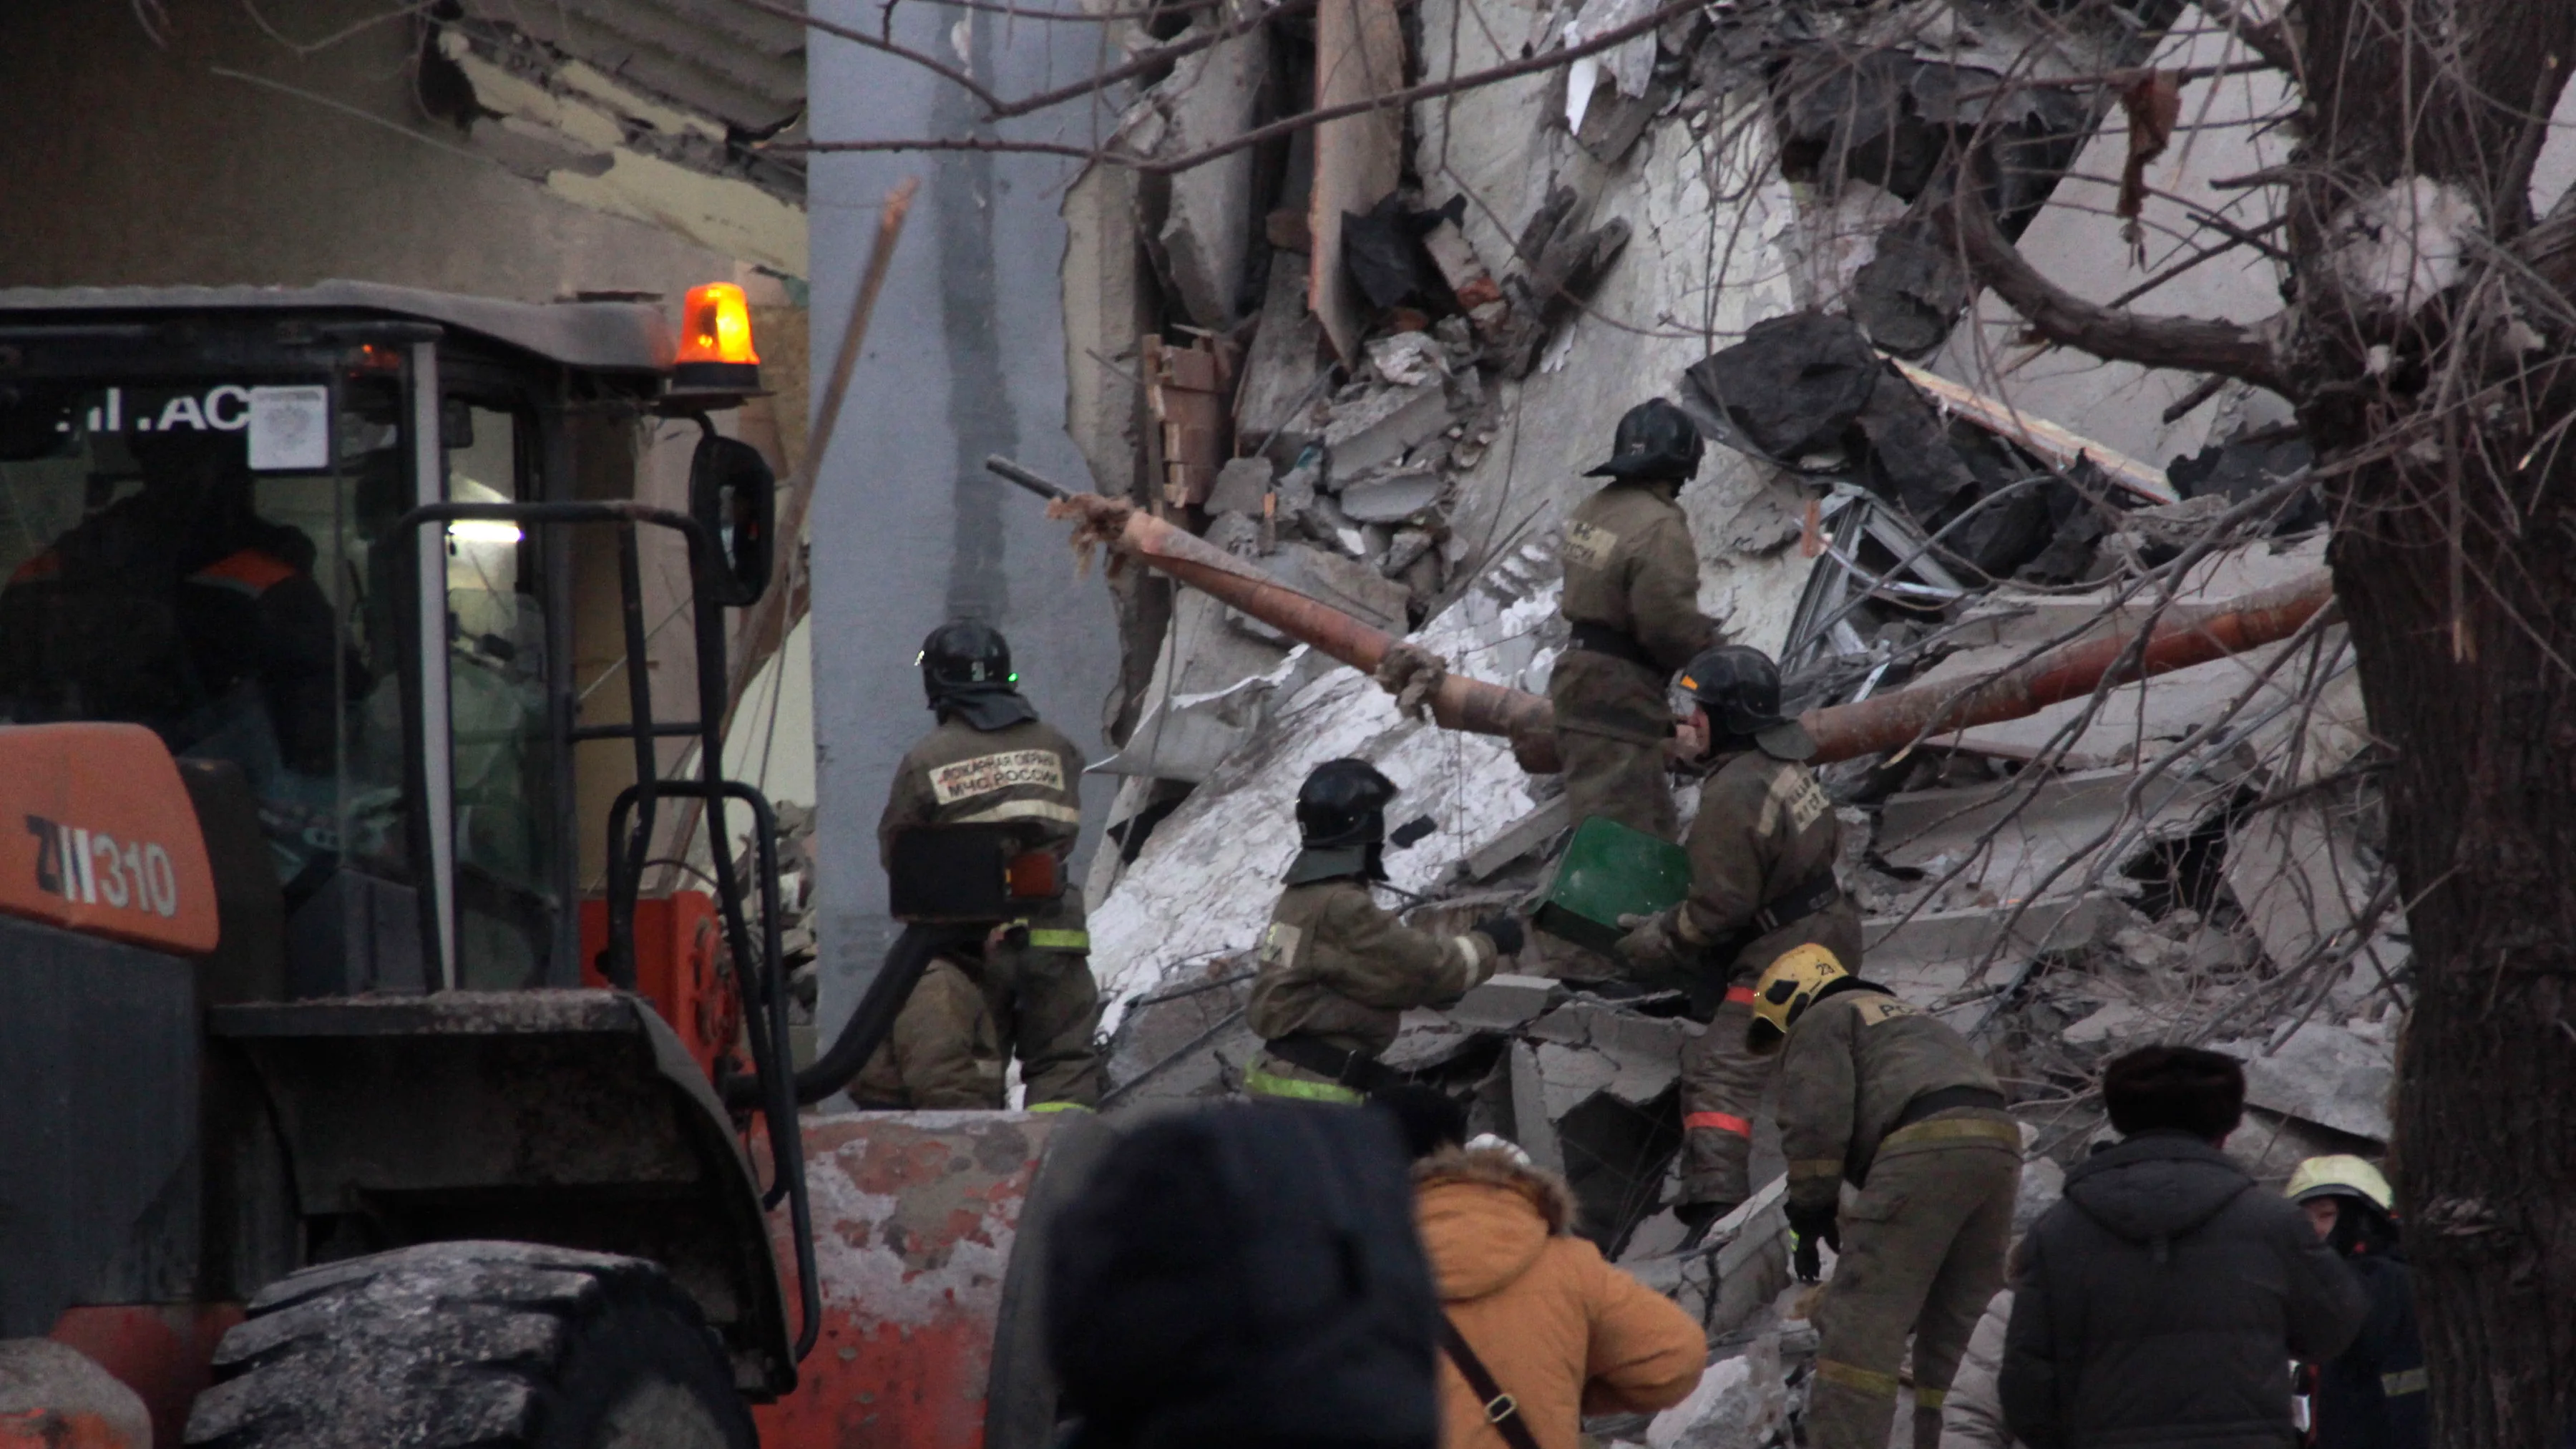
198,497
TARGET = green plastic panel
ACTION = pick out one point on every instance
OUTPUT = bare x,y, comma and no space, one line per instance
1610,871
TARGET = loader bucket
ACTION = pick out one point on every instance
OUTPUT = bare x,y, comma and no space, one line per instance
928,1238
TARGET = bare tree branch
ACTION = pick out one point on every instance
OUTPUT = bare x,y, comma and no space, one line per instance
1529,65
2190,343
2265,38
948,73
1548,60
1150,60
995,107
999,145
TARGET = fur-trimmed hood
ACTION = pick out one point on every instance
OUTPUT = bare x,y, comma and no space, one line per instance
1485,1218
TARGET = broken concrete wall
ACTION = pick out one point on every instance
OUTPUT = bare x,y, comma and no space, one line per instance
1108,307
2188,858
1207,228
1359,54
221,156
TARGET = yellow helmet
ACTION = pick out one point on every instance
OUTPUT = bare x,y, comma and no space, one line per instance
2349,1176
1788,986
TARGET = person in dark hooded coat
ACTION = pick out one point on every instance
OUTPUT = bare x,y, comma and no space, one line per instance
2161,1302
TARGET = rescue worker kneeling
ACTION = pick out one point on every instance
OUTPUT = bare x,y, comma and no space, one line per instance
1879,1093
1337,972
1026,987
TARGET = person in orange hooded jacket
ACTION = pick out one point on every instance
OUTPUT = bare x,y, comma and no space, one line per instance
1560,1330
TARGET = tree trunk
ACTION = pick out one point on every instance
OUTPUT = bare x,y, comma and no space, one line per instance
2480,704
2430,347
2455,560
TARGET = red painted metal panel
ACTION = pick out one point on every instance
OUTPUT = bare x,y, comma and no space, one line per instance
680,967
165,1352
914,1217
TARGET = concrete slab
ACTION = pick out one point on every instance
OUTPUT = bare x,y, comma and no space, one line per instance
2297,873
1105,290
1532,1127
2075,245
1207,229
1344,583
1240,486
1281,376
1529,833
1935,953
1359,54
2326,1074
1397,495
1505,1001
2015,834
1381,427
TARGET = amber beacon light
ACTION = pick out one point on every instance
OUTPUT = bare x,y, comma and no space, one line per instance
715,341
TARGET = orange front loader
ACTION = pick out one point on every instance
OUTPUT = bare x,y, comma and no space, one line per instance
336,1108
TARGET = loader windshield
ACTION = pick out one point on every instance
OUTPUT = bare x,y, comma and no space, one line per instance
189,554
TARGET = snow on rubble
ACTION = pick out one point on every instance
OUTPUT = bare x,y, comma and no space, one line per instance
1206,879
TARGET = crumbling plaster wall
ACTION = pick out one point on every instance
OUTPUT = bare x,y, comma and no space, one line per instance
158,165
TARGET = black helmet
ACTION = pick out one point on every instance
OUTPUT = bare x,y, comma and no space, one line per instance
1739,686
1655,440
1343,803
965,656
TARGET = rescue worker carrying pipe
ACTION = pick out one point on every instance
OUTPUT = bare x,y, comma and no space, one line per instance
1027,988
1762,853
1873,1091
1632,595
1337,972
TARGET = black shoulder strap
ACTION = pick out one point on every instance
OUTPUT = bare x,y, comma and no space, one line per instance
1501,1409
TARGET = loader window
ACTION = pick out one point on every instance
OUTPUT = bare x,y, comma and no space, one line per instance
186,554
503,749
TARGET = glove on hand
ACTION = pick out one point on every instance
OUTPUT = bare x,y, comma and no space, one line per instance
1650,942
1814,1226
1506,934
1412,674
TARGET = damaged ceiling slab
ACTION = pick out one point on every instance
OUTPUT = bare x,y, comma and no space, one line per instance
677,113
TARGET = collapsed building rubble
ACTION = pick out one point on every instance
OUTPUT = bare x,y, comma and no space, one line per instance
1734,209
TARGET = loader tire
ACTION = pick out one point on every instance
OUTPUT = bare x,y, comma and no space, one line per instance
473,1346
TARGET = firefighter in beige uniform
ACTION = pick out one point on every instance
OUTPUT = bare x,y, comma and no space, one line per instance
1028,988
1632,596
1762,852
1336,971
1875,1092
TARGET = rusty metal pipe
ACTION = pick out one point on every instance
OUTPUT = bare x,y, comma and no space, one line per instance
1460,704
2185,636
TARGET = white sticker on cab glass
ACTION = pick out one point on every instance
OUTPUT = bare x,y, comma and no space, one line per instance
290,429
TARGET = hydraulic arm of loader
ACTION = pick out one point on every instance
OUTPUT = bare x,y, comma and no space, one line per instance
2177,639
